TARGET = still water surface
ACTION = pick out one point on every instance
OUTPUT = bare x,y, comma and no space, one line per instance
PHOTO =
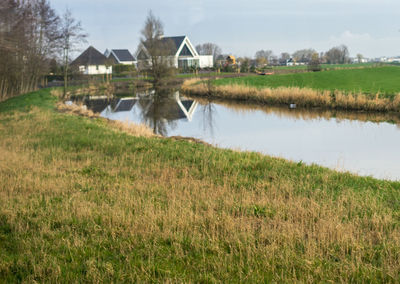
338,140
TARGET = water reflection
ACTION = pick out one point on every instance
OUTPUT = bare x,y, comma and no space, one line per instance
361,142
308,114
159,109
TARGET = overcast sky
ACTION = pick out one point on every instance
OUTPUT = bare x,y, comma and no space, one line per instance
369,27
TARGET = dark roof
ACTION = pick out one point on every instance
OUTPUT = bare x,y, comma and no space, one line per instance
125,105
176,40
90,56
123,55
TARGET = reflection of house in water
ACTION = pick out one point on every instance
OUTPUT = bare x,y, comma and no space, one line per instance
114,105
187,107
124,104
98,104
167,108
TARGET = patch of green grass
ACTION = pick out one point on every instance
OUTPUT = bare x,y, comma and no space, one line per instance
329,66
199,75
384,80
24,103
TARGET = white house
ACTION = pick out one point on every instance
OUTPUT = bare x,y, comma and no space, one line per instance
120,56
183,54
290,62
92,62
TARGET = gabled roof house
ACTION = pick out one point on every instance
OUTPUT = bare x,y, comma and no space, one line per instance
92,62
120,56
183,54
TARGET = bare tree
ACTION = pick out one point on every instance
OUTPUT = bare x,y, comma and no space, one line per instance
28,39
284,58
244,63
314,64
337,55
159,50
344,51
360,57
209,49
303,55
71,35
263,57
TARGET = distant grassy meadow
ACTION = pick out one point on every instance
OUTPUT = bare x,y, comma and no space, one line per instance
331,66
382,80
81,201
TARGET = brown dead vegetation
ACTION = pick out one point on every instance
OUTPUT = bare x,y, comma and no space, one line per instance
125,126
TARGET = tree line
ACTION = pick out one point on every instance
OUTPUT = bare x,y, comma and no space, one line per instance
335,55
32,35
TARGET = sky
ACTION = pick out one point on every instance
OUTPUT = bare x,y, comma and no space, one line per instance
368,27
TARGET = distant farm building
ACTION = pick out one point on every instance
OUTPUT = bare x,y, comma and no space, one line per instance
183,54
293,62
92,62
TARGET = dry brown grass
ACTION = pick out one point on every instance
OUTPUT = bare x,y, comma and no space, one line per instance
124,126
89,89
303,97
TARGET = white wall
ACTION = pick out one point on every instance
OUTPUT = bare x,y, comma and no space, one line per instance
95,70
127,62
206,61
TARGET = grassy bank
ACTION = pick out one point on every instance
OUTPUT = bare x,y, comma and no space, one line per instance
80,201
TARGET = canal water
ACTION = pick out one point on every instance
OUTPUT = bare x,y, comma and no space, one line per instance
357,142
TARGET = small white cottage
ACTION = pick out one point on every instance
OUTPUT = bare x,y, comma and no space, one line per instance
92,62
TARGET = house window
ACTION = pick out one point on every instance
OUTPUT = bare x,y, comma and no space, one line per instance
97,67
187,63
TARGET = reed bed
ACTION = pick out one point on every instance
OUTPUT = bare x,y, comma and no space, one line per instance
302,97
80,202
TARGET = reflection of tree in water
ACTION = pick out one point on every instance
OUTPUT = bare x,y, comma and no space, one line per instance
208,111
159,110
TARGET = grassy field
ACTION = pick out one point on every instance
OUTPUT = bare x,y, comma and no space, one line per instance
330,66
383,80
82,202
206,74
